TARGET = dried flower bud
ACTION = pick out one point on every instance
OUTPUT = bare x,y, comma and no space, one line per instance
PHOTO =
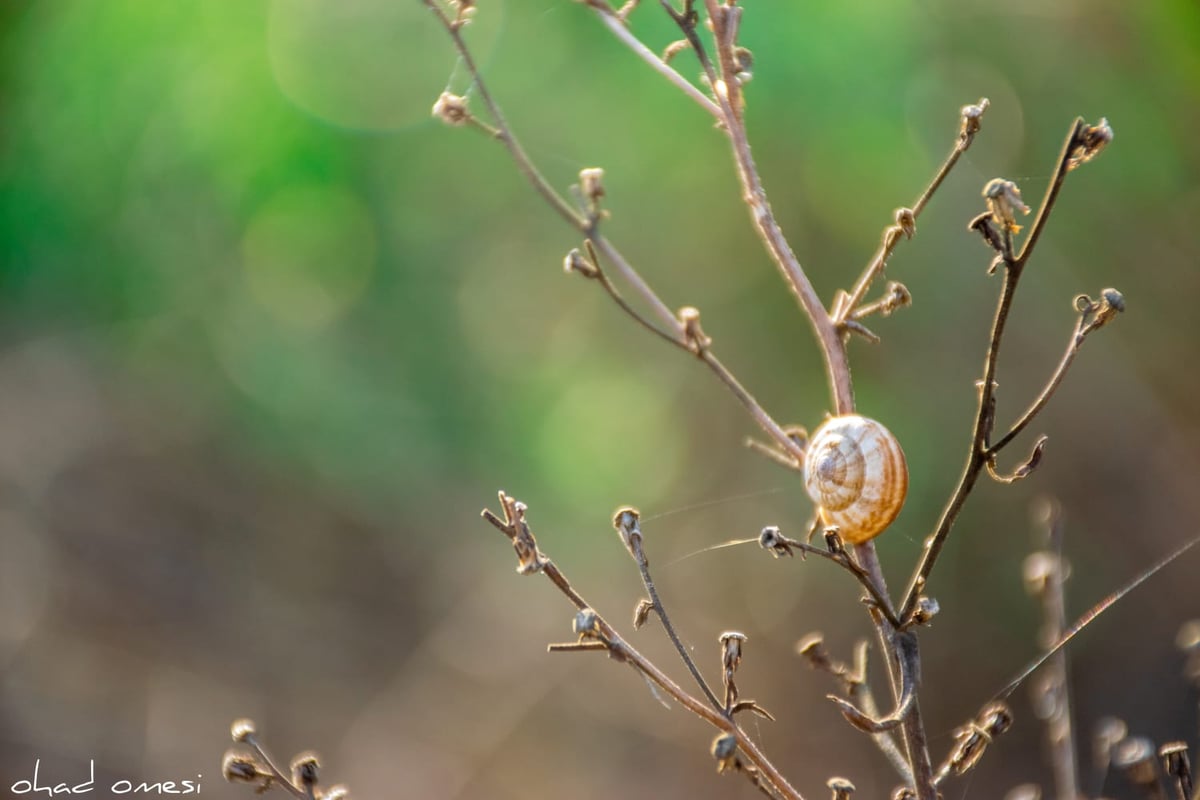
242,730
591,184
772,539
903,793
626,523
451,109
1098,313
305,768
1092,140
641,613
1003,200
724,750
896,295
833,541
731,654
906,221
972,117
241,768
693,334
927,608
842,788
1177,766
576,261
586,624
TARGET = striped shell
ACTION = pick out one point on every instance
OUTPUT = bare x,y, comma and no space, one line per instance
854,470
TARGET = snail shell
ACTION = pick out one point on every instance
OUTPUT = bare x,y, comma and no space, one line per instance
854,470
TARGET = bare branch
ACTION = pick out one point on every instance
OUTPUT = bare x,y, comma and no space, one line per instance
616,25
906,219
514,524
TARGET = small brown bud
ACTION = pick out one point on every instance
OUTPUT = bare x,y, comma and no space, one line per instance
731,653
575,261
241,768
242,730
585,624
927,608
1003,200
972,117
1176,764
842,788
641,613
305,768
773,539
626,523
724,750
451,109
1092,140
906,221
697,340
591,184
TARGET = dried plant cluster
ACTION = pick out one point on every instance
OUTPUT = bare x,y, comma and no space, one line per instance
709,33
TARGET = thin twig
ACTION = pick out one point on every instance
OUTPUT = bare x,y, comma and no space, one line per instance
781,544
514,526
528,169
630,528
979,454
619,29
703,352
728,93
906,218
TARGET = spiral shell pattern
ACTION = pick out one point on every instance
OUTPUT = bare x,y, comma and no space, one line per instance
854,470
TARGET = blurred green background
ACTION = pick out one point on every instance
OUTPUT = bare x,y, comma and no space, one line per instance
270,337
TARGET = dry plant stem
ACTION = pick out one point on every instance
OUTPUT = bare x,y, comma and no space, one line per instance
724,21
984,417
888,244
1044,397
628,273
1058,727
760,415
619,648
879,600
280,778
618,29
755,196
538,181
639,555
